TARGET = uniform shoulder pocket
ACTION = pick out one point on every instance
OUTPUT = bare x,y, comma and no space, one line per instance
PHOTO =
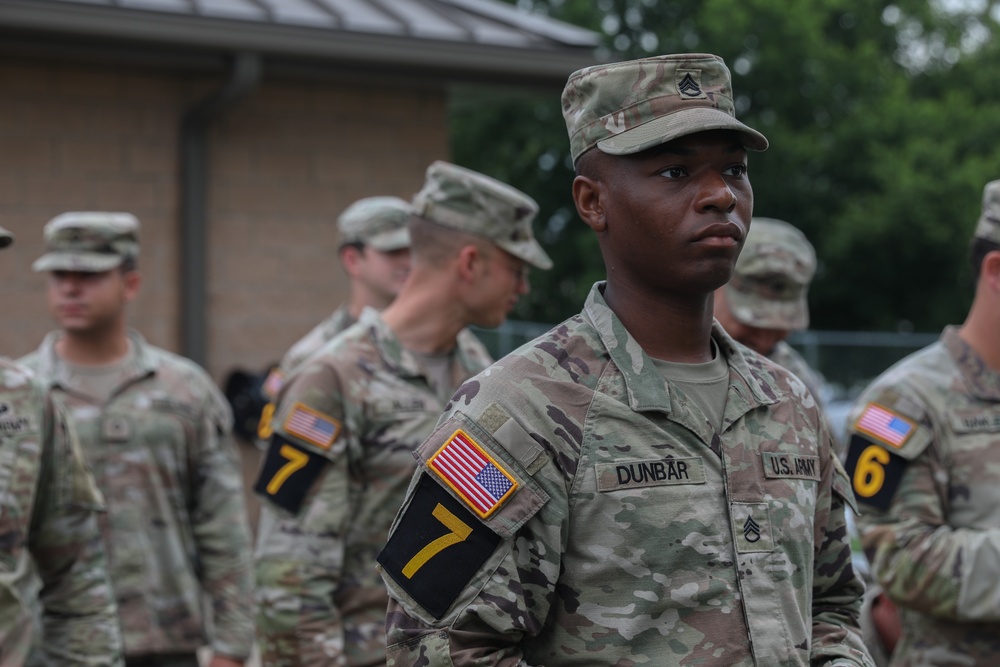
471,495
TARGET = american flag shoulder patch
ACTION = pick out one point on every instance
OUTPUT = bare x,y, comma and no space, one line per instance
272,384
885,425
478,479
312,426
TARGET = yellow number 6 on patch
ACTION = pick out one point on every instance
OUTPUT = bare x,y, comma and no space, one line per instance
869,475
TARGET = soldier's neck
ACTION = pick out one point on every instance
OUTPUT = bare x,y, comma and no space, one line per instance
678,330
92,348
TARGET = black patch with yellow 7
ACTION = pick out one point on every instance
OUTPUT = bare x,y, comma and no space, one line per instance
437,547
287,473
875,472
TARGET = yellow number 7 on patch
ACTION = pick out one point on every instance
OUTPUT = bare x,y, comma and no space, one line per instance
459,532
296,461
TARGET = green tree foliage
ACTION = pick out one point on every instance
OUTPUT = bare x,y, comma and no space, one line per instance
883,123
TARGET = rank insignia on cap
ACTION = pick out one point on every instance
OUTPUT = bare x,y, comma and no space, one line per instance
312,426
885,425
272,384
474,475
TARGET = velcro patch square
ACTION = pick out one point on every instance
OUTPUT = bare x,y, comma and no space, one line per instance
885,425
312,426
474,475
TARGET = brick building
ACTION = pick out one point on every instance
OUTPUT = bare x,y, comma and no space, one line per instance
236,130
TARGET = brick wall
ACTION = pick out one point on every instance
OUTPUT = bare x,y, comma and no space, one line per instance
283,164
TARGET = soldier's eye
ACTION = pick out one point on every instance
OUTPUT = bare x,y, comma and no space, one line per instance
673,172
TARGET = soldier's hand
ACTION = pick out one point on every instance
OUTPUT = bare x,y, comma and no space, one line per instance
222,661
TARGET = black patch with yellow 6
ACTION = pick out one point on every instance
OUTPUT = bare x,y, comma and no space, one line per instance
875,472
287,473
437,547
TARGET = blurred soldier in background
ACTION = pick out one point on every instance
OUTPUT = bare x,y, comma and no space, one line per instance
924,458
349,418
767,297
631,487
155,430
48,518
375,254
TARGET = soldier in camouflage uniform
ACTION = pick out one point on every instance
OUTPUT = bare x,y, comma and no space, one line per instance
350,417
924,459
155,429
48,522
375,253
766,298
633,487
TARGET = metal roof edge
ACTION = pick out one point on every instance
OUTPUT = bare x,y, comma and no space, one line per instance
286,40
560,31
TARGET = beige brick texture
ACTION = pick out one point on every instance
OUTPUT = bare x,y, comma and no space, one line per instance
283,163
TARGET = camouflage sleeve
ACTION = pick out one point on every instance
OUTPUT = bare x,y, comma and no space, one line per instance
304,482
78,608
922,562
838,591
476,602
221,530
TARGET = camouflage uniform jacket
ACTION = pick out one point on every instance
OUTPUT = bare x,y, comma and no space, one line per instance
48,510
319,336
176,527
928,479
603,522
321,600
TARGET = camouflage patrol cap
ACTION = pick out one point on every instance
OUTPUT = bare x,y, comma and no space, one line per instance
379,222
768,288
627,107
6,238
477,204
89,241
989,220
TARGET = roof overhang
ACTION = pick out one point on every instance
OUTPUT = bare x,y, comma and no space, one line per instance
61,23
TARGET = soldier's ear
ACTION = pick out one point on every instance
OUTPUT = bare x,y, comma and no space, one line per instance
133,281
991,270
587,195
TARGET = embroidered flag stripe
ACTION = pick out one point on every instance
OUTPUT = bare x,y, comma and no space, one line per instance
885,425
311,426
473,475
272,385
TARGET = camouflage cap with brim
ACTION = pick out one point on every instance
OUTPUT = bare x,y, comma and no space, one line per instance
474,203
770,284
89,241
628,107
378,222
988,226
6,238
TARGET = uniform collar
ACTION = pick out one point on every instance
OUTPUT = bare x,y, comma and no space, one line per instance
981,379
52,370
338,321
644,385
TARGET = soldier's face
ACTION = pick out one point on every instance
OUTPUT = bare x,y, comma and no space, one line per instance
674,217
383,273
502,281
81,301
